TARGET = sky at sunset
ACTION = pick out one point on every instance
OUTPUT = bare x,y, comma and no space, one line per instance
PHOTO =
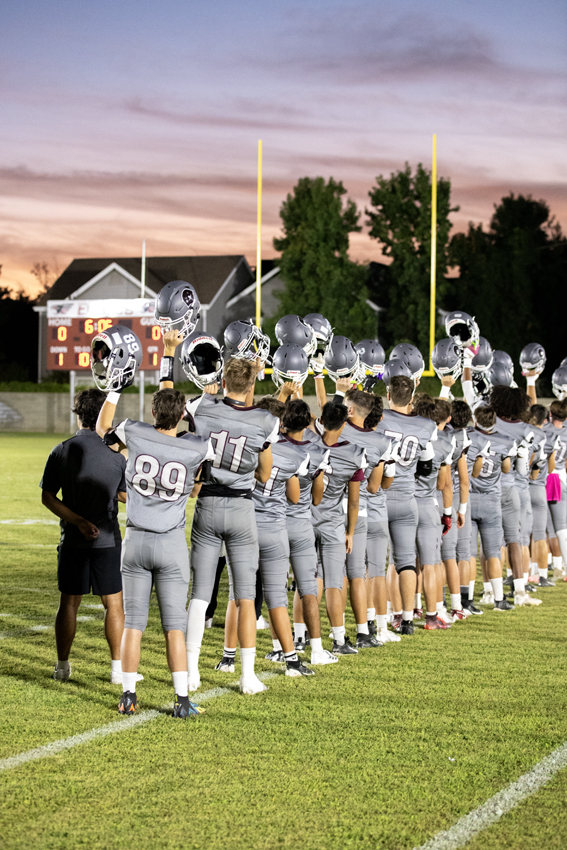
130,120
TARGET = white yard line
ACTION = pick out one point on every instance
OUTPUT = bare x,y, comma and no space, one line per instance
490,812
24,631
29,522
122,725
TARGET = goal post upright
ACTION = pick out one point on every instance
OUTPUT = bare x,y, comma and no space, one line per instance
432,295
259,240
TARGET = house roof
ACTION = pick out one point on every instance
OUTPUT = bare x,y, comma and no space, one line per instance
207,274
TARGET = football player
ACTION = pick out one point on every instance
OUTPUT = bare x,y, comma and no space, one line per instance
556,432
543,463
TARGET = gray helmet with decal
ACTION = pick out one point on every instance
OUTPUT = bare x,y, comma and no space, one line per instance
411,356
393,368
532,357
498,375
116,353
462,328
446,358
292,329
289,363
499,356
372,357
559,382
484,356
342,359
243,339
201,359
177,308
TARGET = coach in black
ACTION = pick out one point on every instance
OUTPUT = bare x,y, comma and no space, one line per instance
90,477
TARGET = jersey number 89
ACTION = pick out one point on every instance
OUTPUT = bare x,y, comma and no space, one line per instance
171,481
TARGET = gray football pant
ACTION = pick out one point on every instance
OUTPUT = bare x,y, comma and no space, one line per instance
538,498
429,530
557,514
464,538
330,542
377,548
302,555
274,563
486,517
402,525
511,515
526,517
160,560
449,541
356,561
219,519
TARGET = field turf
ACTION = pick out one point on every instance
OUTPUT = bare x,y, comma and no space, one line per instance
380,751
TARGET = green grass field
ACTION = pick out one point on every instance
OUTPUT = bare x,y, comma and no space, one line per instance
380,751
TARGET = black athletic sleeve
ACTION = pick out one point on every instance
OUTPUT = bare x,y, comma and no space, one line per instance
424,468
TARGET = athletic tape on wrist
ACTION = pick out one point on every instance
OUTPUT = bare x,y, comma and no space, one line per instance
166,369
463,508
389,469
113,397
447,511
530,381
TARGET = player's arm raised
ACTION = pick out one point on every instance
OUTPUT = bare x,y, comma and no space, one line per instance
171,339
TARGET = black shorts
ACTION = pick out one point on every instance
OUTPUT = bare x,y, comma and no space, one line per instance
80,569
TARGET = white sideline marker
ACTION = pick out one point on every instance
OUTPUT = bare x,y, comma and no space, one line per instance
504,801
110,729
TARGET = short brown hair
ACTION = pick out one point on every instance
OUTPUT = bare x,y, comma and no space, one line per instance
401,390
424,405
272,405
167,407
239,375
461,414
364,402
558,411
485,416
442,410
538,414
87,406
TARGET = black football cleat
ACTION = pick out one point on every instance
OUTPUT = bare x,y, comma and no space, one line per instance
183,707
545,582
296,669
367,641
473,609
345,648
503,605
128,703
299,645
406,627
372,627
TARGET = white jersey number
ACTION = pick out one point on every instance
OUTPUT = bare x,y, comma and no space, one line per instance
409,446
171,481
221,440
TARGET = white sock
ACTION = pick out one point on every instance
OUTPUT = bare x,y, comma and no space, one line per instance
526,576
116,666
471,590
431,613
497,589
542,573
382,621
388,607
299,631
557,562
129,682
64,665
487,587
180,683
417,601
562,537
534,569
399,614
276,645
456,603
549,559
247,656
338,634
229,652
508,572
519,585
370,614
362,628
407,615
316,645
439,608
195,628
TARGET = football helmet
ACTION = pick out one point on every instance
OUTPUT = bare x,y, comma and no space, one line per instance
245,340
446,359
177,307
116,353
289,363
342,359
393,368
462,328
324,334
563,362
294,329
532,356
372,357
481,385
483,358
498,375
411,356
559,382
201,359
503,357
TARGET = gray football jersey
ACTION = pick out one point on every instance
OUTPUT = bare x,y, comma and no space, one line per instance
270,499
542,446
462,443
348,463
552,433
238,435
491,473
414,432
313,445
517,431
444,447
375,445
159,475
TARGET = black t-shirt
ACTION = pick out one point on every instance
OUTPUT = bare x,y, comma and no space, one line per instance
90,475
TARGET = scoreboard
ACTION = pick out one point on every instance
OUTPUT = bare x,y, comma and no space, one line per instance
71,326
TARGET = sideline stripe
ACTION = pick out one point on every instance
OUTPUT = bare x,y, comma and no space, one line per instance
110,729
490,812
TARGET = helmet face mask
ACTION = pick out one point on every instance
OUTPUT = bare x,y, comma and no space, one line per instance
532,358
244,340
115,355
177,308
201,359
323,335
446,359
342,359
293,330
463,329
411,356
559,382
372,357
289,363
